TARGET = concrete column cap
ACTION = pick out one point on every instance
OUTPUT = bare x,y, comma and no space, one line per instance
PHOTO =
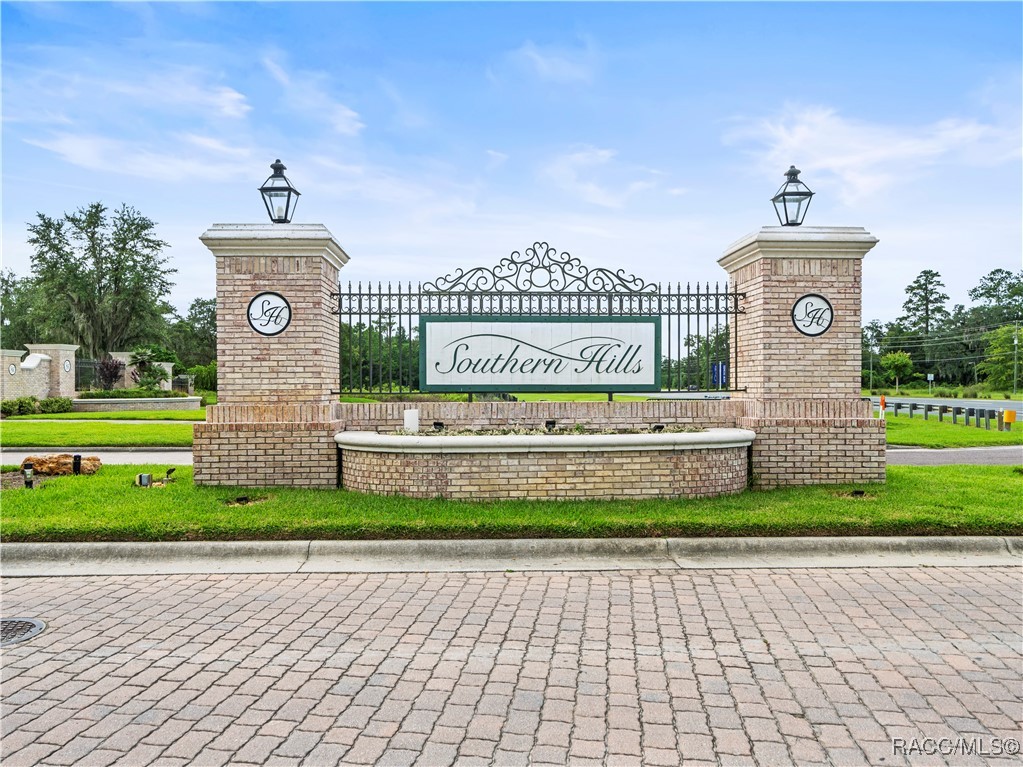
19,353
55,347
798,242
274,240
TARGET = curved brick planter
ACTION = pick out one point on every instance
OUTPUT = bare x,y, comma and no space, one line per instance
594,466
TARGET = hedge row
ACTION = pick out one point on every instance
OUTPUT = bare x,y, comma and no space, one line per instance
131,394
33,406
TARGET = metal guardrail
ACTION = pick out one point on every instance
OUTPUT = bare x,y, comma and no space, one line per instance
979,416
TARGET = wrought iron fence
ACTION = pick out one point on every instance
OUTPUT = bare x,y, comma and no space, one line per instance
379,325
86,374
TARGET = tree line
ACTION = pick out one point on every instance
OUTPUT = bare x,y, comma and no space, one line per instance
101,279
961,346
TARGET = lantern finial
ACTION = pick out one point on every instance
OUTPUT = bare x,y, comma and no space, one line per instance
279,196
792,200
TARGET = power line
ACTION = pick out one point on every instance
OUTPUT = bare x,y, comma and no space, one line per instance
952,333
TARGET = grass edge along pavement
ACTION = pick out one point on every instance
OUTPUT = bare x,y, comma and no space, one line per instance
946,500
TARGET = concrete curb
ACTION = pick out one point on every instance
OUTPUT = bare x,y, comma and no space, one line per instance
78,559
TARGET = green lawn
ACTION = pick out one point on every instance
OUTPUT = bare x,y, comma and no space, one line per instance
946,500
104,431
119,415
903,430
98,434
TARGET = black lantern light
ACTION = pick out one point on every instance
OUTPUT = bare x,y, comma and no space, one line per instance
792,199
28,472
279,195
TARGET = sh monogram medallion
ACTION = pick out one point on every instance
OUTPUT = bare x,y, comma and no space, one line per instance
812,315
269,314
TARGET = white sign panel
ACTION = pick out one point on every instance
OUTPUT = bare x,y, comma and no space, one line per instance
540,354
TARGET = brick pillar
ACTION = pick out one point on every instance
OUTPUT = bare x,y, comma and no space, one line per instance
277,358
798,356
62,367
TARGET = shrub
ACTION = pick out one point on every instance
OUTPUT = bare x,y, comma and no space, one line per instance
130,394
150,378
970,392
205,376
55,405
147,374
109,372
156,353
20,406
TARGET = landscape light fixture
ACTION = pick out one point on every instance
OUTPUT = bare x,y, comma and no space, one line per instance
279,196
28,471
792,200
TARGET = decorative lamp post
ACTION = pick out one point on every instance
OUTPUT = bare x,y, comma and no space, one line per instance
279,196
792,199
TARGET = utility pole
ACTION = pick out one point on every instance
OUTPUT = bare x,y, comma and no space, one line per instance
1015,358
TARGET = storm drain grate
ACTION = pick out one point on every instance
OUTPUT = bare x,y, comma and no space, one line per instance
18,629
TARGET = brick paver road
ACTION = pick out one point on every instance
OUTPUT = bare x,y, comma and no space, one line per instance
641,667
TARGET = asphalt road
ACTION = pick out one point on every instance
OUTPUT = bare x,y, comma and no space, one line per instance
975,456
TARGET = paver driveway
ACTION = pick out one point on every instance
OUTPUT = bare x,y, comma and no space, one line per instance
652,667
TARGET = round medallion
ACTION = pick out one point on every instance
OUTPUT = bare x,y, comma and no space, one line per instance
812,315
269,314
12,368
67,366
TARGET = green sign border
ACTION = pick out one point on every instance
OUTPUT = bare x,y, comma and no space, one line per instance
545,319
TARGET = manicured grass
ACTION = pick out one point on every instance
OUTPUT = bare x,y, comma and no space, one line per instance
945,500
119,415
106,432
99,434
903,430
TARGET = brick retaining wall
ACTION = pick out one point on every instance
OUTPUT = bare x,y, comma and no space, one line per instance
132,404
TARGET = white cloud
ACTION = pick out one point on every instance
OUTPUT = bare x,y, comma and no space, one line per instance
189,158
495,159
575,173
308,93
865,157
557,64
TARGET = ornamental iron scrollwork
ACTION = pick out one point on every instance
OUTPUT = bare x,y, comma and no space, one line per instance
540,268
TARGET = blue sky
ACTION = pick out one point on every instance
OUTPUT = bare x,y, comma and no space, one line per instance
432,136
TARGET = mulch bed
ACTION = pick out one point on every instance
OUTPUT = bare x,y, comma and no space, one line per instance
14,480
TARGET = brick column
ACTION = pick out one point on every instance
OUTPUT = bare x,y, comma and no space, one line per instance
276,369
62,367
803,381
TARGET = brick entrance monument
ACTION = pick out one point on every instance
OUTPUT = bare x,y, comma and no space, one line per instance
800,361
277,358
798,355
